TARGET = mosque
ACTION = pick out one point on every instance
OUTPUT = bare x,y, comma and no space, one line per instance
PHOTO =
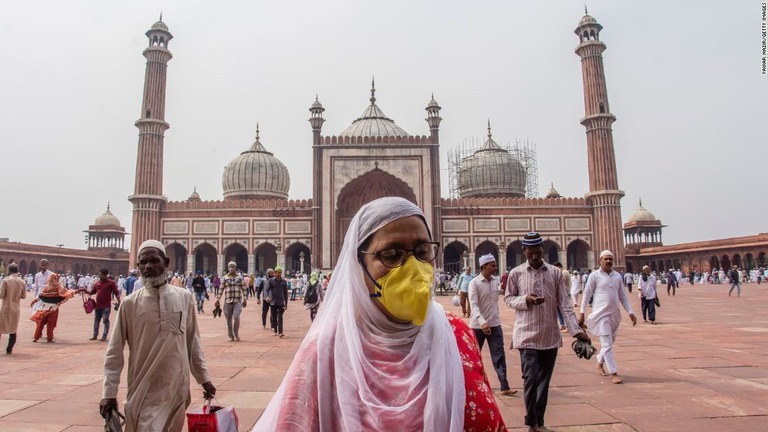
491,207
258,225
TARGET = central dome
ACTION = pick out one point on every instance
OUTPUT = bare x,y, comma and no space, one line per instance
491,172
373,123
256,174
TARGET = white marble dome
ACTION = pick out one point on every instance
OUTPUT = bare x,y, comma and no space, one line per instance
256,174
490,172
641,214
107,219
373,123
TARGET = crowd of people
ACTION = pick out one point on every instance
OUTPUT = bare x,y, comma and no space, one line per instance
377,335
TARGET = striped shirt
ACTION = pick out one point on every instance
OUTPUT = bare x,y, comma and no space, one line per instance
233,289
536,326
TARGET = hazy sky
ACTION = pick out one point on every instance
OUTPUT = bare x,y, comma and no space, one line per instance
684,81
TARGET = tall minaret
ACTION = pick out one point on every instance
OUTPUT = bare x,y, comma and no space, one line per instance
433,120
316,121
147,195
604,195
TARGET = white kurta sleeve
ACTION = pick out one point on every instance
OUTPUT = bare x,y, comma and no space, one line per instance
566,308
473,304
624,299
194,346
589,291
113,357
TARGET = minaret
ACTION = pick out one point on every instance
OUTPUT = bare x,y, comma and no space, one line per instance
147,195
433,120
604,195
316,120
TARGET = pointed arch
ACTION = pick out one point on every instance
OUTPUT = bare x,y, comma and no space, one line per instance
293,258
177,254
486,247
266,256
239,254
205,258
453,256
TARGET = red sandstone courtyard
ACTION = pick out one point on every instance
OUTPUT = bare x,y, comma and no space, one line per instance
704,367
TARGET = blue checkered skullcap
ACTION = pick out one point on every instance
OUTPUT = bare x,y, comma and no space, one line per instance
532,239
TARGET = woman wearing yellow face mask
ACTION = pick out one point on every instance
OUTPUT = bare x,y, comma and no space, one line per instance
381,354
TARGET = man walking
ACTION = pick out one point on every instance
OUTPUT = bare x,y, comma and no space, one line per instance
198,285
628,279
484,318
12,290
735,281
277,291
647,287
130,282
261,293
536,291
41,278
605,288
671,282
104,289
463,284
235,299
160,326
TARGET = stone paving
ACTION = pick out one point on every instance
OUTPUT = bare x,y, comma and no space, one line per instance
704,367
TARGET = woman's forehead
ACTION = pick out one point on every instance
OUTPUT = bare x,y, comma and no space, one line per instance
402,230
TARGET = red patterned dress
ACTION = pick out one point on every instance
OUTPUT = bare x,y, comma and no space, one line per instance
481,413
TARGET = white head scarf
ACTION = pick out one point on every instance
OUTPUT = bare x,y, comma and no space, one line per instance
350,328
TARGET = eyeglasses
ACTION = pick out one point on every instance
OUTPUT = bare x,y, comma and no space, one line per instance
395,257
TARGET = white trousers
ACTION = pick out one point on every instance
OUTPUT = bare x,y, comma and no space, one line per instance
605,356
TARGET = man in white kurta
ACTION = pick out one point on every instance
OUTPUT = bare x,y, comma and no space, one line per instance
41,278
159,324
606,288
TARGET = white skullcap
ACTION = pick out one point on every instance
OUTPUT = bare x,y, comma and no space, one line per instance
232,264
485,259
606,253
152,244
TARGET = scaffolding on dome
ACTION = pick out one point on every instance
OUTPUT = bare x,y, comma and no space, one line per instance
522,150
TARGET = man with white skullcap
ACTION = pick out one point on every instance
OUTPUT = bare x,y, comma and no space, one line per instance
484,317
159,324
606,288
536,290
235,293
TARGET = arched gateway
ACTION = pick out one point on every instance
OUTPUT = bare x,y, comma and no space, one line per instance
374,184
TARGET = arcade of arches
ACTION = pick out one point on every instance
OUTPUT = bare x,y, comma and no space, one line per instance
744,252
457,256
61,260
206,258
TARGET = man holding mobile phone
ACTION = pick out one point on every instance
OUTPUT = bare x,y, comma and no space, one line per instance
536,290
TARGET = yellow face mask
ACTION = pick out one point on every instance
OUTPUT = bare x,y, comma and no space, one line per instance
405,290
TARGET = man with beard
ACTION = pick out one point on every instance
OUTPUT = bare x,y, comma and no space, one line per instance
606,287
262,291
160,326
536,290
647,287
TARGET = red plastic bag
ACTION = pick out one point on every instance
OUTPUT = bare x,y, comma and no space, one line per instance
89,304
212,419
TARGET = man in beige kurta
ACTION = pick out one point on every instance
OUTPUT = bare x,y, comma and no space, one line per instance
12,290
159,324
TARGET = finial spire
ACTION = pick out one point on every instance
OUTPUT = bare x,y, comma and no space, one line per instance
161,16
257,131
586,12
108,204
316,98
373,90
640,202
489,128
194,190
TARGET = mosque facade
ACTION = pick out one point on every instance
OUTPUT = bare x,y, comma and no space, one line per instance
258,225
